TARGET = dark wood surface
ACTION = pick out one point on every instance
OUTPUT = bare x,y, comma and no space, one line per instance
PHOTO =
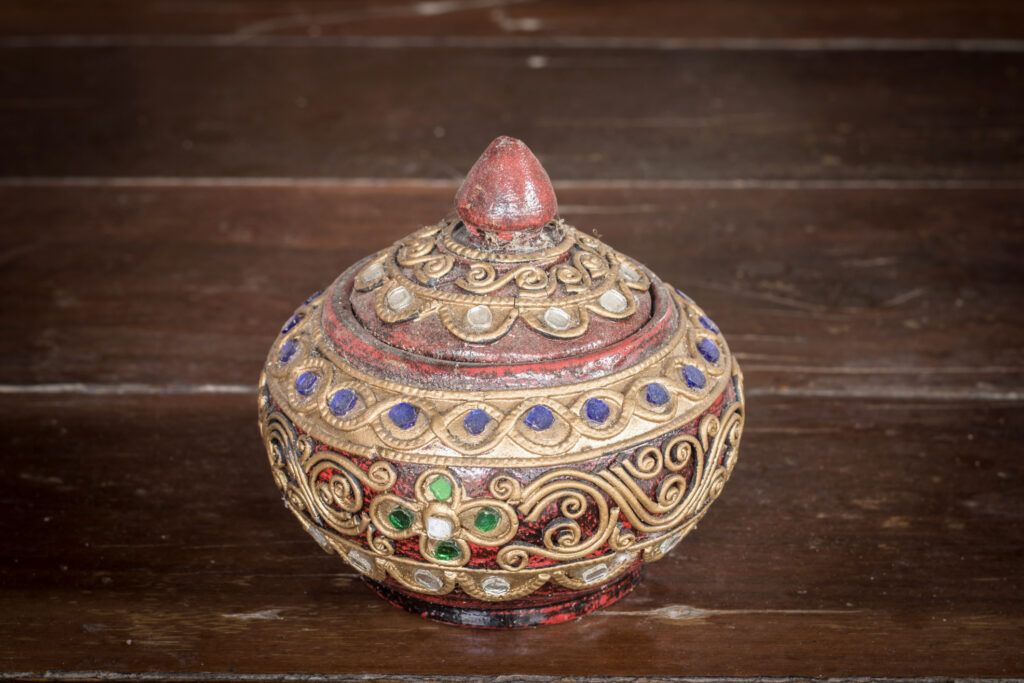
876,538
737,20
640,114
909,293
841,187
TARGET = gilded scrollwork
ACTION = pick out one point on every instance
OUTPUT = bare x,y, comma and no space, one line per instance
624,523
324,485
613,494
416,252
577,277
483,278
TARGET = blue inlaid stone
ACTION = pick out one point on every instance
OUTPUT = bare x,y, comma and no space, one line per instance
693,377
539,418
306,383
684,295
292,322
709,350
288,350
656,394
312,296
709,324
342,402
596,410
476,421
403,415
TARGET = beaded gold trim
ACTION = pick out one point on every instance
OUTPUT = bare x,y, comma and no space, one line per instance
556,298
438,435
332,510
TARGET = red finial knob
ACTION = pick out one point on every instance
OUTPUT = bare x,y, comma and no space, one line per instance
506,191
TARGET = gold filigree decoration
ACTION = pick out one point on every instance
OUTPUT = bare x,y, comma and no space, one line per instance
657,522
555,290
442,513
325,485
415,253
483,278
613,494
438,434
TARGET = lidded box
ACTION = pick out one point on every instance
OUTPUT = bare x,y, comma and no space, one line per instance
499,419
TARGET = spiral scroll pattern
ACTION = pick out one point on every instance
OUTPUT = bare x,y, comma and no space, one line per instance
558,526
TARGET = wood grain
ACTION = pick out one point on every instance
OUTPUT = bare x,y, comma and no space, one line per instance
873,293
427,113
838,184
883,538
701,19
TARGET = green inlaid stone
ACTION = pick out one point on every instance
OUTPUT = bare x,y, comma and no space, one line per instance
441,487
447,551
487,519
401,518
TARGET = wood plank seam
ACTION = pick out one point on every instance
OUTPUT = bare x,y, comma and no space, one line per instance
171,182
566,42
207,677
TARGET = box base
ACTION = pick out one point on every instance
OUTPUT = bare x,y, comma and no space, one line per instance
508,616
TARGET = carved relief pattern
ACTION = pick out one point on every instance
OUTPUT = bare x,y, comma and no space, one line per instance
636,508
572,276
438,429
457,512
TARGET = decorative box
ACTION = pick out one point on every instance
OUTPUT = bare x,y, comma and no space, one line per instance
498,420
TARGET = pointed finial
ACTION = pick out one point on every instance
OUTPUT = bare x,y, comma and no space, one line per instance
506,191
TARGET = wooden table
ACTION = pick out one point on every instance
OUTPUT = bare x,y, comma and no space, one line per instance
841,188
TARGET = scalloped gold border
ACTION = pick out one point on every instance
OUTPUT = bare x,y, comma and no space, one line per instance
432,441
596,269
